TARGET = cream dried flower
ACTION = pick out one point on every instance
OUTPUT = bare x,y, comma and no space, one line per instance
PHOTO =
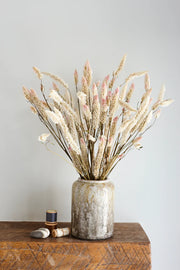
157,114
106,79
91,138
87,112
120,67
43,137
166,102
76,77
66,132
103,113
137,140
138,146
57,98
146,94
144,105
82,97
113,127
126,106
122,94
33,110
72,128
56,78
88,73
38,73
38,104
146,122
124,125
84,123
54,118
108,98
130,92
104,91
95,112
57,118
94,89
147,82
112,81
161,93
55,87
99,156
97,83
27,94
67,97
140,120
135,75
126,132
84,152
84,86
75,160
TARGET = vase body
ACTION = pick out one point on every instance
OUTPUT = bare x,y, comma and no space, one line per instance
92,212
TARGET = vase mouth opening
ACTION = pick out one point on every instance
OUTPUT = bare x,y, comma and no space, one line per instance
94,181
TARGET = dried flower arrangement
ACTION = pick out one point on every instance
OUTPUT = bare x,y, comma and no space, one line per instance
97,127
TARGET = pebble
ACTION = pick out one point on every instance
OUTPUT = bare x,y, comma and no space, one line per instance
40,233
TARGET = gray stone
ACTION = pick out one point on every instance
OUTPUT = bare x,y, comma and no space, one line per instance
40,233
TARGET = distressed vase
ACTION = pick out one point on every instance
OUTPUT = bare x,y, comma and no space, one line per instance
92,212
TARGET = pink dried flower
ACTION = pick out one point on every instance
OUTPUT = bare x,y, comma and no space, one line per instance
98,83
114,103
84,86
106,79
55,87
137,139
94,89
104,91
87,112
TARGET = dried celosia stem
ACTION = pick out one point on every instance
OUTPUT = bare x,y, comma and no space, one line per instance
98,159
121,65
87,132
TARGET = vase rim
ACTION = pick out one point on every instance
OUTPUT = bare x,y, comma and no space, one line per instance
94,181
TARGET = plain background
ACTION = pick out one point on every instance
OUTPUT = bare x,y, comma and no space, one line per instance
58,36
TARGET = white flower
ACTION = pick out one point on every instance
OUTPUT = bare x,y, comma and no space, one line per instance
82,97
55,96
43,137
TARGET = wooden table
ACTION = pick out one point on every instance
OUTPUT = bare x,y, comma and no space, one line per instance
129,249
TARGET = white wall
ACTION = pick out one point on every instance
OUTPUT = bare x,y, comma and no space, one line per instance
58,36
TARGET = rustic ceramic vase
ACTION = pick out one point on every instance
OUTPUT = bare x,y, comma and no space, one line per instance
92,213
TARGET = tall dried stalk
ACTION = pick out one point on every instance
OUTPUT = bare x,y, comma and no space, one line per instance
98,127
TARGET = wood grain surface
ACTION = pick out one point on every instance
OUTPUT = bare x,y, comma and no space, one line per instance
128,249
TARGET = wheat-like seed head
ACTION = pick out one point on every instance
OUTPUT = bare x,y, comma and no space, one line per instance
99,156
38,73
76,77
120,67
147,82
43,137
95,126
56,78
27,94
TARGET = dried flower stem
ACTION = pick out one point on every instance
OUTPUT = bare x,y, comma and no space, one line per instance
99,127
